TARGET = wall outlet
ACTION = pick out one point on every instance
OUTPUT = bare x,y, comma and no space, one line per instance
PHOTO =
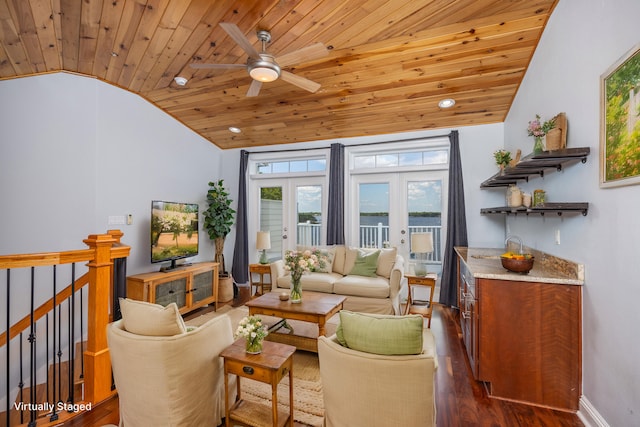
557,236
129,219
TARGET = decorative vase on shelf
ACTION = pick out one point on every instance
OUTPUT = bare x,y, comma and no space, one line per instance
538,147
254,346
296,289
501,170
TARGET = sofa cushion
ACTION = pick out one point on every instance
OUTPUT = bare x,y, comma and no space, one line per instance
371,287
386,261
338,259
143,318
318,282
328,254
381,334
351,254
365,264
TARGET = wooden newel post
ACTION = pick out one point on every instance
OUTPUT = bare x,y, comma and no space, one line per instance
96,356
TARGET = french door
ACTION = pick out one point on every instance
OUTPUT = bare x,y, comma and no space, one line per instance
291,210
387,207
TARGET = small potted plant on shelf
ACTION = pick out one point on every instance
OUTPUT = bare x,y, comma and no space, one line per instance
503,158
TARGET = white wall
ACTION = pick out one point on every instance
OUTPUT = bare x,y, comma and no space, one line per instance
77,150
581,41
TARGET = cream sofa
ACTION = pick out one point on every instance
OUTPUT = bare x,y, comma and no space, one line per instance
379,293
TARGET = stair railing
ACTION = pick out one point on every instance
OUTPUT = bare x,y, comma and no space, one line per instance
106,268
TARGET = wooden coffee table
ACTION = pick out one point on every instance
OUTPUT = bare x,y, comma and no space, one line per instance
315,308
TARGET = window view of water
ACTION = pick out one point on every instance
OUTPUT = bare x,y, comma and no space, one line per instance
414,221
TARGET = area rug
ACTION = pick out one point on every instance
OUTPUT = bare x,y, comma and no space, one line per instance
308,405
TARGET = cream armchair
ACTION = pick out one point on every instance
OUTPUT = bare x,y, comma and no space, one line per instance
171,380
368,390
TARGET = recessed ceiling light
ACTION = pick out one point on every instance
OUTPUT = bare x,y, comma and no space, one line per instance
234,129
180,81
446,103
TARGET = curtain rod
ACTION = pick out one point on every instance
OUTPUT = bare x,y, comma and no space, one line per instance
290,150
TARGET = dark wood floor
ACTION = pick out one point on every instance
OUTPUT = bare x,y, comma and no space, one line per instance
460,401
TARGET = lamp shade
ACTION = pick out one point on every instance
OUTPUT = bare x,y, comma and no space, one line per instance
263,240
421,243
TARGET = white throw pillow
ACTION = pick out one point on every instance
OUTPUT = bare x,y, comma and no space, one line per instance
143,318
386,260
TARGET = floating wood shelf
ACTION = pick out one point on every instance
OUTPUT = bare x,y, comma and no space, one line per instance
536,165
557,208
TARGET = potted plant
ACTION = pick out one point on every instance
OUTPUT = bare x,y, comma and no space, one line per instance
218,219
503,158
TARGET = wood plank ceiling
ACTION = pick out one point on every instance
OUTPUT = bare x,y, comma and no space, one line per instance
389,61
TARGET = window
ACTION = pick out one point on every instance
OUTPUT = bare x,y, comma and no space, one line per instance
433,157
290,166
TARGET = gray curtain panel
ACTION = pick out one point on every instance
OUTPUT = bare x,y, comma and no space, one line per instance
240,269
335,214
456,225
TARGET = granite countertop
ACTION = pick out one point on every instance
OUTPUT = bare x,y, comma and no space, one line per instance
485,263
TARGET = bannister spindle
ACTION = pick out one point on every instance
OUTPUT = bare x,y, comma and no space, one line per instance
59,353
8,415
32,357
46,357
21,383
81,334
72,336
54,412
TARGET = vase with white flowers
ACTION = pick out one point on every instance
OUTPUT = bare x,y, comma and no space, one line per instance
254,332
538,129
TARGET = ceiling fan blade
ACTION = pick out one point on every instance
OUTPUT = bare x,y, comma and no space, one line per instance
254,89
309,53
301,82
209,66
236,34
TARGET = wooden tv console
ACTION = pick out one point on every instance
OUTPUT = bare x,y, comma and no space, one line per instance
190,287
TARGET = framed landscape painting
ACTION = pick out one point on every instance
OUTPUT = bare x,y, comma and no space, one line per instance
620,122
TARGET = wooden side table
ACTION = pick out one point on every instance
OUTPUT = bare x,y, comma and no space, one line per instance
270,366
260,269
414,306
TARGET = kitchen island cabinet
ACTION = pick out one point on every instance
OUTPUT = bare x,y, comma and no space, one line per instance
522,333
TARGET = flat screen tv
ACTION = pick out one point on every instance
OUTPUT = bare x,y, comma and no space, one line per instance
174,231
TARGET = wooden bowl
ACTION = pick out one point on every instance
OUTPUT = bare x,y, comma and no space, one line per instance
517,265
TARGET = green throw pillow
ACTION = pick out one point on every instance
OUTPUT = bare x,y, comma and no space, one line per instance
366,264
381,334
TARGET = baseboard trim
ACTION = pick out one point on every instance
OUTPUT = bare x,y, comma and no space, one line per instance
588,414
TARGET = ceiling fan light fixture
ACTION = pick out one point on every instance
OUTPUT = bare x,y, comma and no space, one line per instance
447,103
265,69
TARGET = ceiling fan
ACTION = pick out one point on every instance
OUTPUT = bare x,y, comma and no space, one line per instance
264,67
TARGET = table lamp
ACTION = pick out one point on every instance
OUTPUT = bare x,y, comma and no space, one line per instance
421,244
263,242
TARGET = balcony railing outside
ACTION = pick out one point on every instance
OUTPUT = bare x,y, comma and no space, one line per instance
374,236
